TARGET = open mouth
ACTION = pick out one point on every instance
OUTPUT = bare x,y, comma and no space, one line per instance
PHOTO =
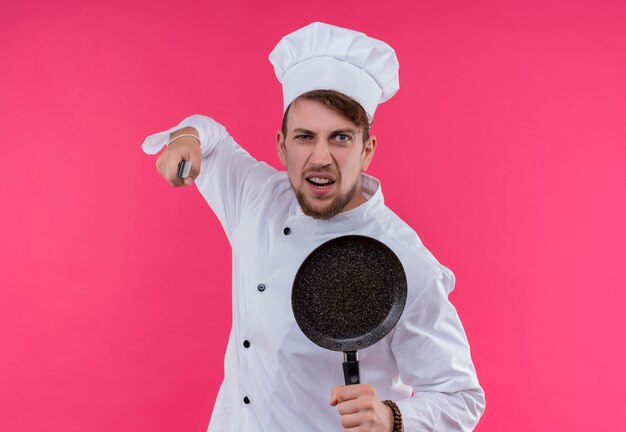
320,182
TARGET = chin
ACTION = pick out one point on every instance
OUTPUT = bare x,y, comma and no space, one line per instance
333,208
325,213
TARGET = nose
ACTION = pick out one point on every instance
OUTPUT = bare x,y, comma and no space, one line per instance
321,157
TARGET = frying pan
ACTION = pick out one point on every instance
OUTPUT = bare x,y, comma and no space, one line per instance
347,295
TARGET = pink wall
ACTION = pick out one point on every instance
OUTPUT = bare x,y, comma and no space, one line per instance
504,149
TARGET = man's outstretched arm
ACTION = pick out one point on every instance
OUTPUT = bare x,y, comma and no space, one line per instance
225,174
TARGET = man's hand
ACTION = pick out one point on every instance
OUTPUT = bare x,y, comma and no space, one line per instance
361,409
184,148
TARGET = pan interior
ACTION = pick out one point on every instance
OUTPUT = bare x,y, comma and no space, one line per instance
348,291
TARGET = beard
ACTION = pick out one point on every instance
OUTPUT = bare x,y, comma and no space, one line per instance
332,209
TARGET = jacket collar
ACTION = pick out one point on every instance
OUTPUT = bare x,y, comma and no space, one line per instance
348,220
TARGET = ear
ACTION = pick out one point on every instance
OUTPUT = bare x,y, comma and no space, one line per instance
280,147
368,152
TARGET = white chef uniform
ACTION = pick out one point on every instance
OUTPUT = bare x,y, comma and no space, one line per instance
275,379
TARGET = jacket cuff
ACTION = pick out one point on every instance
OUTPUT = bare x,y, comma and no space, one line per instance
155,142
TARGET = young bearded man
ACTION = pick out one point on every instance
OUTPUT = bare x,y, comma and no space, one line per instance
420,377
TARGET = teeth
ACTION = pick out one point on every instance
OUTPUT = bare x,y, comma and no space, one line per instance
320,180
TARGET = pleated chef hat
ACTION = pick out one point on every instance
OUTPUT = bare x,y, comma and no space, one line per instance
326,57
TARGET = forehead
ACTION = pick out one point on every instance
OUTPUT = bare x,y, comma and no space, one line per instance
314,115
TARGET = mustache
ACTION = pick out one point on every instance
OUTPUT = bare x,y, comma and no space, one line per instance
328,171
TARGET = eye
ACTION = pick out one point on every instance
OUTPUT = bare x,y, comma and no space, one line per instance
343,138
303,137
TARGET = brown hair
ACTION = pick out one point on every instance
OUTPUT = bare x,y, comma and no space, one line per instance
343,105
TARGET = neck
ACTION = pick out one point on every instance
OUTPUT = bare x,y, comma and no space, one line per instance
358,199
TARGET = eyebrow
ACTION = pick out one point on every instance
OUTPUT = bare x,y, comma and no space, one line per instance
333,133
303,131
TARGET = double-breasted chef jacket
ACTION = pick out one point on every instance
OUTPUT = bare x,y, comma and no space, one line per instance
275,379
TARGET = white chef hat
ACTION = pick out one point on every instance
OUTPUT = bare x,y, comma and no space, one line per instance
326,57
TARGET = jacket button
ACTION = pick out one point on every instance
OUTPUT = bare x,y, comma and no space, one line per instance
246,400
287,231
246,344
261,287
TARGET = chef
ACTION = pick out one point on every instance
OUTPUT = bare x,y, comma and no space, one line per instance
420,377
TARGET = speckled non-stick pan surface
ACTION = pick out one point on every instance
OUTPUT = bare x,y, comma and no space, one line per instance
349,293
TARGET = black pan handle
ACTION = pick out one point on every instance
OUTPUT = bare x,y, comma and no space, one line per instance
351,367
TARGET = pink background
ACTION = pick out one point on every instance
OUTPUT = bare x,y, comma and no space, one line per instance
504,149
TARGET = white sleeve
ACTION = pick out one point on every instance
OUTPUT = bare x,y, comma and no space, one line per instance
433,357
229,177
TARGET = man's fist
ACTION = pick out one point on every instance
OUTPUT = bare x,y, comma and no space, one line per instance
183,149
361,409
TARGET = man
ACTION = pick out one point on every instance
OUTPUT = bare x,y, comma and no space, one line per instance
275,379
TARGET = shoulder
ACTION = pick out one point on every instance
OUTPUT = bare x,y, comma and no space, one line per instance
278,185
273,188
423,270
272,193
